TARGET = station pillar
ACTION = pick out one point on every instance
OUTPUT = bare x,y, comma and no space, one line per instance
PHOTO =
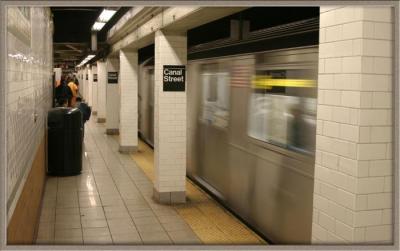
170,118
353,193
101,91
128,125
94,89
90,86
83,88
113,96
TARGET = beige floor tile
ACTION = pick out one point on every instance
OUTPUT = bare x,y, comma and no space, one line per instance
67,218
92,223
67,204
68,233
69,241
155,238
174,226
127,239
67,211
115,209
150,228
184,237
146,221
117,215
169,219
98,240
98,231
68,224
92,213
122,229
90,201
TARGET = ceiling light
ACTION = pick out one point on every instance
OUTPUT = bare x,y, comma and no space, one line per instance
98,26
106,15
87,59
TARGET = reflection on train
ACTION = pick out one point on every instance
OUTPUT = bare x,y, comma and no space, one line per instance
251,135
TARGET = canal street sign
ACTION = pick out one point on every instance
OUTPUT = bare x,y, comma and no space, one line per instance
112,77
174,78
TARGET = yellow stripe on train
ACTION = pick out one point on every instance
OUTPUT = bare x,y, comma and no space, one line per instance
265,82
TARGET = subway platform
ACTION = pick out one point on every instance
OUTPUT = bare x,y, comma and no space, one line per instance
110,202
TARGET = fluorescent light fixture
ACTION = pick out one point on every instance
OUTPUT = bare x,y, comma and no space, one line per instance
98,26
87,59
106,15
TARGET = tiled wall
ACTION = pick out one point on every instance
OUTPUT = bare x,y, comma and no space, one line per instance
169,116
28,91
353,171
129,99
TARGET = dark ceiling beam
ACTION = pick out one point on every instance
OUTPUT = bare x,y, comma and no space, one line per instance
73,48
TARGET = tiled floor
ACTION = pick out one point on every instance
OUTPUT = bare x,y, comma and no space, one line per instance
111,203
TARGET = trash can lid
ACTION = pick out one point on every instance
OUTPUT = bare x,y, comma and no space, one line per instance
55,117
73,118
64,117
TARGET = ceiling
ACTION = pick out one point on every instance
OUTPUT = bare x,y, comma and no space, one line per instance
72,33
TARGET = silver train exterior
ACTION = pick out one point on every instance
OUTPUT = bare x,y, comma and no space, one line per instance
251,135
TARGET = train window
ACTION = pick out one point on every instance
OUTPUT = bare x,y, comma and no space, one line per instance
215,98
283,108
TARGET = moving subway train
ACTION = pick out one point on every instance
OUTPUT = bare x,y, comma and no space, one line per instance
251,135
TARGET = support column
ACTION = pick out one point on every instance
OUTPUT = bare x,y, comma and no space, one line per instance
170,122
85,83
128,126
94,89
101,91
353,197
90,86
112,104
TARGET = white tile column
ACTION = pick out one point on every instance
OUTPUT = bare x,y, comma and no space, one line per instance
82,84
128,126
90,86
86,84
170,122
95,79
113,98
353,170
101,91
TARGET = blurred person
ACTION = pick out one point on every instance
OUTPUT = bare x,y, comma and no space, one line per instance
74,90
62,92
63,102
85,110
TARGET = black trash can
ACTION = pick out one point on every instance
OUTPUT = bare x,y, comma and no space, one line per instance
65,138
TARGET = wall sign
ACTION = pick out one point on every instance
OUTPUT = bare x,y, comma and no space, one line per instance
174,78
94,77
87,76
112,77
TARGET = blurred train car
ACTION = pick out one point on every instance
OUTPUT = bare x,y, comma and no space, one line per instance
251,132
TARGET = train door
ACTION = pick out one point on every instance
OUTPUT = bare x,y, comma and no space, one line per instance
213,126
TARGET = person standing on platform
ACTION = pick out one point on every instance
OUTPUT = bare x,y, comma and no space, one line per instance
63,92
74,89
